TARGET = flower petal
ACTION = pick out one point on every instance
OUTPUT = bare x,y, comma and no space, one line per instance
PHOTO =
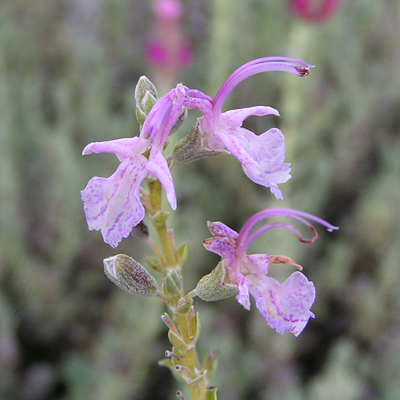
286,306
236,117
268,150
112,204
123,148
243,296
158,167
224,247
219,229
257,264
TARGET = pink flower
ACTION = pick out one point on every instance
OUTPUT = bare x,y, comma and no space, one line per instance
312,12
262,156
113,204
286,306
167,49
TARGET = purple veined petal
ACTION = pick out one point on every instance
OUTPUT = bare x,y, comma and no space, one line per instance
262,156
122,148
239,147
112,204
178,100
195,99
157,166
220,229
157,118
224,247
269,151
163,117
243,296
286,306
257,264
197,94
260,170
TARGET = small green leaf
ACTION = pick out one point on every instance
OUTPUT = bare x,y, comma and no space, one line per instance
154,263
177,342
166,362
183,253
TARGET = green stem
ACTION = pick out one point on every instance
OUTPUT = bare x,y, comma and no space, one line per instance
186,321
155,191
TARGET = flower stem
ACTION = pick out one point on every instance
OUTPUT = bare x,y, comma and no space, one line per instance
155,191
185,329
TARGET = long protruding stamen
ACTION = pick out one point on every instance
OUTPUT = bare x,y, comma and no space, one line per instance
245,238
251,238
291,65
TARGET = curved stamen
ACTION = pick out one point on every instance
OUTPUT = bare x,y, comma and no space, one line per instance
245,238
291,65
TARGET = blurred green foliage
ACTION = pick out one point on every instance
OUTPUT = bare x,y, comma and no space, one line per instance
67,76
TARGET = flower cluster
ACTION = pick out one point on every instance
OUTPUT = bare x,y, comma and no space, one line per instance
113,205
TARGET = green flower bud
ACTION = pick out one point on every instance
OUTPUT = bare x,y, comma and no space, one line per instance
140,116
144,86
212,287
191,147
147,102
183,253
129,275
173,283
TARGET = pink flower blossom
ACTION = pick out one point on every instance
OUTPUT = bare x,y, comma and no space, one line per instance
262,156
167,49
286,306
311,11
113,204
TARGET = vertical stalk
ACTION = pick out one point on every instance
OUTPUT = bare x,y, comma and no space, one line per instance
184,319
155,191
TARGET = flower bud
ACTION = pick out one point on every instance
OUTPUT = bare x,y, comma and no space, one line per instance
191,148
212,287
129,275
140,116
143,87
146,96
173,283
147,102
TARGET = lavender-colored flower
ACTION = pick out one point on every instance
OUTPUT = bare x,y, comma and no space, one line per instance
113,204
285,306
262,156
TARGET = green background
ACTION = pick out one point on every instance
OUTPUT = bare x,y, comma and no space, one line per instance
67,75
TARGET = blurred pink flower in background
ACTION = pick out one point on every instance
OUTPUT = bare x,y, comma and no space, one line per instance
315,10
167,50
